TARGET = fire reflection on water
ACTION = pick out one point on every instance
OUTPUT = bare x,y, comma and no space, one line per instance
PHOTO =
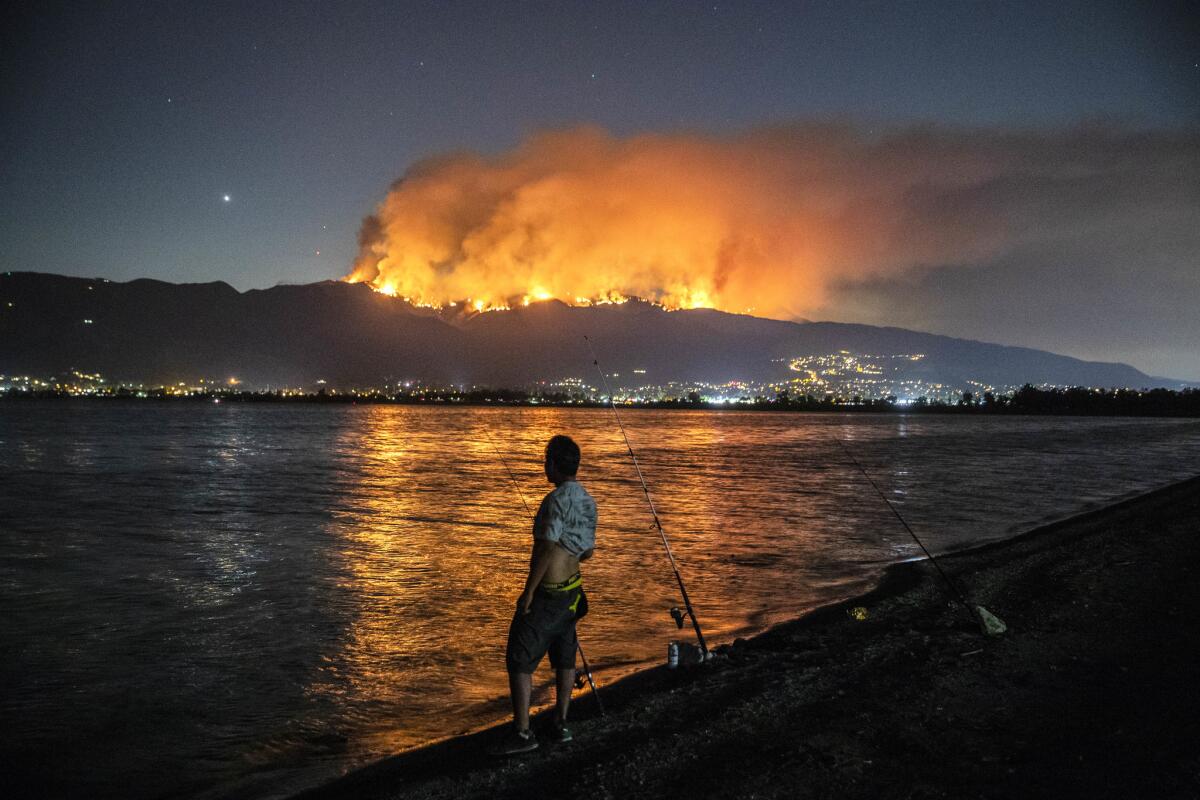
431,547
429,543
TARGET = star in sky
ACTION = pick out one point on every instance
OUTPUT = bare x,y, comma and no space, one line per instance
226,198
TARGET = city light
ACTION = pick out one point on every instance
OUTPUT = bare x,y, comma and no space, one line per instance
839,380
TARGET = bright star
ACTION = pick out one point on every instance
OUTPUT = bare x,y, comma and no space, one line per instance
226,198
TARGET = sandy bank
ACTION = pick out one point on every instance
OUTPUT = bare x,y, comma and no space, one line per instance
1092,693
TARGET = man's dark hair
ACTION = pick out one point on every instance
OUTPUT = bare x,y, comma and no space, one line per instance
563,453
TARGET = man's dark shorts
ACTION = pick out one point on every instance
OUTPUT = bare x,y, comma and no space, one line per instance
548,627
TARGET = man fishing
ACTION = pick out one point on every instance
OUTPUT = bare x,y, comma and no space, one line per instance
564,533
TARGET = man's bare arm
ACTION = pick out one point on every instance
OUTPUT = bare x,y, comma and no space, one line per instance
539,562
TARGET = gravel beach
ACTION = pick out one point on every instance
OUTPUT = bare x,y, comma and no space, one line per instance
1091,692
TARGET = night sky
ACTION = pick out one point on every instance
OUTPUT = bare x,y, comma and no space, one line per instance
245,142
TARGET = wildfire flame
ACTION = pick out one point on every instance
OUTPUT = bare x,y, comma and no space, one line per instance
768,220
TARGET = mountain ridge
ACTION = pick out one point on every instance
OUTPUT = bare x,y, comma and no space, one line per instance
148,330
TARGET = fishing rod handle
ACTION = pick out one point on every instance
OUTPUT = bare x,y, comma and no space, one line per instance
687,604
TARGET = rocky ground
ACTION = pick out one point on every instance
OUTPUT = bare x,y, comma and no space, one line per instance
1091,692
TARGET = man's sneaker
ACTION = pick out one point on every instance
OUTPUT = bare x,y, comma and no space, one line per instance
514,742
559,732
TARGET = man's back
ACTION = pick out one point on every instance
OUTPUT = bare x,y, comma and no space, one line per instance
564,533
567,518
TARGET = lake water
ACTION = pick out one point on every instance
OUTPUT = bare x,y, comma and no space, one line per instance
240,599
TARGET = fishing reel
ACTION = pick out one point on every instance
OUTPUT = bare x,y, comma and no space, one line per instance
677,615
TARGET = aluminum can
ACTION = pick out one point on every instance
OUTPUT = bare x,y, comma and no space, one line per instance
672,655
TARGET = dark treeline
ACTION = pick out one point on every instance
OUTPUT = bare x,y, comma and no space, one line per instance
1114,402
1077,401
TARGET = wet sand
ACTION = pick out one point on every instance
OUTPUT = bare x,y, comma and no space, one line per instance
1091,693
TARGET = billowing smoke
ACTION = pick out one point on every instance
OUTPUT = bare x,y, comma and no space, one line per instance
770,221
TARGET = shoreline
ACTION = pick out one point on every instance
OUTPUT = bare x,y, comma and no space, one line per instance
1181,404
704,730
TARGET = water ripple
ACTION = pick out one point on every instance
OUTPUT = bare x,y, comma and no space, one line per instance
210,599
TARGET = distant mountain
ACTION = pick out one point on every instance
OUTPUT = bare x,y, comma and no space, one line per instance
346,334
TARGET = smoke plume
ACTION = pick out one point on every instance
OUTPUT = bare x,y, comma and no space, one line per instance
771,221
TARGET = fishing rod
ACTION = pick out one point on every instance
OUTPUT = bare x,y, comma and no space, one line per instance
691,612
988,622
587,669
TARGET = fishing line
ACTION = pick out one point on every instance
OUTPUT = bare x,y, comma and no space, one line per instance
988,622
646,490
587,669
